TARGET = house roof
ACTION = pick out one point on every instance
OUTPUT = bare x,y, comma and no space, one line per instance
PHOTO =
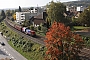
38,21
39,16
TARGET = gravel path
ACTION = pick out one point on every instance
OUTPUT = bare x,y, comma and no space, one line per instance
84,33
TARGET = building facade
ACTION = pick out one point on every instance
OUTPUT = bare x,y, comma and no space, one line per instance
80,8
33,10
75,8
22,16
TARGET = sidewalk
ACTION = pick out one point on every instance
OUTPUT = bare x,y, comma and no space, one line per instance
9,51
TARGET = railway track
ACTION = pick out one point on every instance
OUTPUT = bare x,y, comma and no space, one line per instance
37,39
85,54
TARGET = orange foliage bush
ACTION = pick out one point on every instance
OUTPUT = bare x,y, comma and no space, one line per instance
61,43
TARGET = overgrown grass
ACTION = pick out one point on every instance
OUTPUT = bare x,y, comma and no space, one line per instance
33,55
40,33
87,41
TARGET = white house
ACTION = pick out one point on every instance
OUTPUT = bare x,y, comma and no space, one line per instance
80,8
67,8
34,10
22,16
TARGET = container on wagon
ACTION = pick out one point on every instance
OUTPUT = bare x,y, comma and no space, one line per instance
24,29
18,27
28,31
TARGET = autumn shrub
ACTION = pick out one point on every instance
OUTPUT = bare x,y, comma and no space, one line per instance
87,41
39,28
61,43
44,29
32,27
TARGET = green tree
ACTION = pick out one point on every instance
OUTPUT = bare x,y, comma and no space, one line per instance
3,15
20,10
8,13
26,23
84,17
32,27
13,11
55,12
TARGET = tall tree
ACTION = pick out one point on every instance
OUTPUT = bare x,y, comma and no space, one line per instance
3,14
55,12
13,11
84,17
8,13
61,43
26,23
20,10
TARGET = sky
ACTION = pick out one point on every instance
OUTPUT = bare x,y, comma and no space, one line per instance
25,3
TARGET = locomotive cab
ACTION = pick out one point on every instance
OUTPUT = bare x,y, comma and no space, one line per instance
33,33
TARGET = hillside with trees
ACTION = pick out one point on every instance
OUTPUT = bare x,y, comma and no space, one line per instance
78,3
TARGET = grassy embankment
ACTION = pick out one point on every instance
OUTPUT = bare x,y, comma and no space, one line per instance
29,49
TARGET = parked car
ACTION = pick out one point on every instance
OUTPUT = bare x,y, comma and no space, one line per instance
1,33
2,43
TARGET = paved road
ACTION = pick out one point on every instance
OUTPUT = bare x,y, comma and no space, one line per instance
8,51
84,33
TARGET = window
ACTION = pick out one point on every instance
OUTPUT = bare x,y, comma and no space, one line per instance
22,19
22,14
